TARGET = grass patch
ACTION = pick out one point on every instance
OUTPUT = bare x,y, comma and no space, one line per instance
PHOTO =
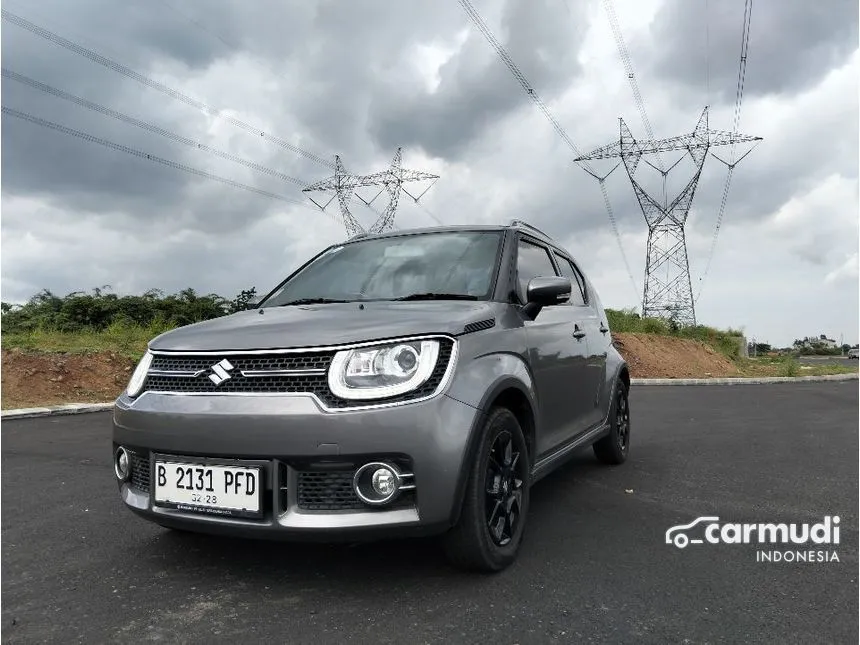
123,339
789,366
727,342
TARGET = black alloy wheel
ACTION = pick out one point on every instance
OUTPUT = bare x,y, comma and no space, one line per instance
489,530
622,420
614,447
504,488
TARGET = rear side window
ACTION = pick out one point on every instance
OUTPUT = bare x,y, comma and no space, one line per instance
577,283
532,261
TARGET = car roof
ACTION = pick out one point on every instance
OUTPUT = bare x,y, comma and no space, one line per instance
513,225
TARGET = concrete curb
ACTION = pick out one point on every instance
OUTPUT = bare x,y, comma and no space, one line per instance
57,410
745,381
80,408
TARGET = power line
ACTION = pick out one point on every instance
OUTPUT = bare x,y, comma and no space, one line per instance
197,24
429,212
164,89
232,46
742,67
119,116
160,87
386,219
707,54
736,119
609,8
478,21
149,157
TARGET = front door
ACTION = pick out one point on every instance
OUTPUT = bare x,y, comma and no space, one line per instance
558,355
597,338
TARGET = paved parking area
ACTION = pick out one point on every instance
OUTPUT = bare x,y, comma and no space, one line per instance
844,361
77,567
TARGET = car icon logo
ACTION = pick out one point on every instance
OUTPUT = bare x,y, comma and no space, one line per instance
677,534
220,372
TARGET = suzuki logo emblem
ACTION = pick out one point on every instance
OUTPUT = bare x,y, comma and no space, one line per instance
221,372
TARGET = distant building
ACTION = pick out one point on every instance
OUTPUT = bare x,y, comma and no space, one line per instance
827,342
816,343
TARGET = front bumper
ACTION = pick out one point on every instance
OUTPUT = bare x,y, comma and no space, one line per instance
307,456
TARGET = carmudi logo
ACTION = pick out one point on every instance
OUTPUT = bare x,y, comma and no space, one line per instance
709,530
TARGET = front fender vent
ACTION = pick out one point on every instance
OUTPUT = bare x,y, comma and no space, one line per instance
481,325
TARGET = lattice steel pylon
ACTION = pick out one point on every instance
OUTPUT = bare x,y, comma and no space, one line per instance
668,291
343,185
392,180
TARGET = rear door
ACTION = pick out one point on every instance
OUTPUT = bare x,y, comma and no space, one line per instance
557,352
588,313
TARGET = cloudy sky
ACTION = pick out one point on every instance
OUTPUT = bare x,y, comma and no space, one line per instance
361,78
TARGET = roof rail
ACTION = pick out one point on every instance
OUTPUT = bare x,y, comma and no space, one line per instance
521,224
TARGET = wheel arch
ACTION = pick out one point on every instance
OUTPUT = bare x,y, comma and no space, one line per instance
510,393
624,375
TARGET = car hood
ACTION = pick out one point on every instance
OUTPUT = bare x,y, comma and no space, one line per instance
327,324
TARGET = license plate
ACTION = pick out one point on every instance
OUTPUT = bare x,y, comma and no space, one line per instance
233,491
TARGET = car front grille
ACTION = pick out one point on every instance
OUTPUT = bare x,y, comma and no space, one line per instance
295,372
140,471
327,491
331,490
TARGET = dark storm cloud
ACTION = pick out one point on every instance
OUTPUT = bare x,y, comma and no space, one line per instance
87,177
342,77
135,30
319,52
793,43
476,90
162,257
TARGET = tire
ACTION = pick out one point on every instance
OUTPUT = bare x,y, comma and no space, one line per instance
470,544
614,447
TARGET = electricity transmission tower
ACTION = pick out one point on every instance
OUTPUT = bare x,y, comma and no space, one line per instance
668,291
391,181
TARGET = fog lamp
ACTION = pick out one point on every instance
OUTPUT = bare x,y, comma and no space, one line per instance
384,481
376,483
122,464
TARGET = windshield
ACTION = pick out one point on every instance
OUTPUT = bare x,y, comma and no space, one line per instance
441,265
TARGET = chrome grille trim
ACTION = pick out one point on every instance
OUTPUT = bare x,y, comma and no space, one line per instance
176,373
262,373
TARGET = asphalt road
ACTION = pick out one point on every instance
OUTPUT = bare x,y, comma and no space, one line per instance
829,360
78,567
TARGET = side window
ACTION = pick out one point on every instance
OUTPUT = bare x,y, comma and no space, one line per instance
532,261
577,295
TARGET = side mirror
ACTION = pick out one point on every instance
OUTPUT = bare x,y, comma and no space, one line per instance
252,303
545,291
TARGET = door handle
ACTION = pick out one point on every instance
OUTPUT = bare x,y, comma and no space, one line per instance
603,328
577,332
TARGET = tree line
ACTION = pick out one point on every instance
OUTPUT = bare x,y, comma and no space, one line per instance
99,309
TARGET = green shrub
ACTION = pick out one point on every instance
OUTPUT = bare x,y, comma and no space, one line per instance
100,310
789,367
726,342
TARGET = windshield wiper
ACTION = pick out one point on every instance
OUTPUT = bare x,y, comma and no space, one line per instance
430,295
312,301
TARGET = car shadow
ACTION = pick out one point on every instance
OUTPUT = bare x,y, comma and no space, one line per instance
397,560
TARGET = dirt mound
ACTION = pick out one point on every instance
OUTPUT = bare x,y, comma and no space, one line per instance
31,379
35,379
653,356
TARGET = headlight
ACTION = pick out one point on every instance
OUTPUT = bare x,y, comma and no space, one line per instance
135,384
382,371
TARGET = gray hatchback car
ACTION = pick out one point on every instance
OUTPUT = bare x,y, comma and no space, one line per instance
408,383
